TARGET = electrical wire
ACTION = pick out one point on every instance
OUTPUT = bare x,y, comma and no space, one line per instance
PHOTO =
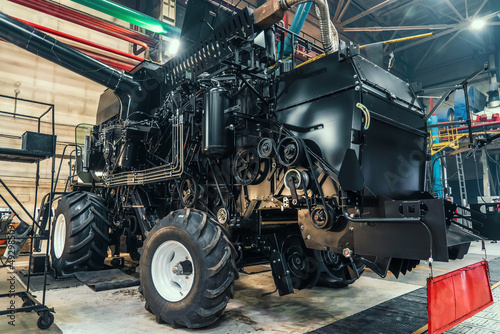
366,112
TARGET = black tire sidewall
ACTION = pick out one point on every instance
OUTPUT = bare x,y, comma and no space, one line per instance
81,253
191,302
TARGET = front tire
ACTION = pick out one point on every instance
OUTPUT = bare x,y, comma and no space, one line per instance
187,270
80,234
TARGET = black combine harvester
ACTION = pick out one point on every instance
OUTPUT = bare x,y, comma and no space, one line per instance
225,157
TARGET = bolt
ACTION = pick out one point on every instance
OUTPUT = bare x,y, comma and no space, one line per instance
308,236
351,228
357,88
302,227
177,269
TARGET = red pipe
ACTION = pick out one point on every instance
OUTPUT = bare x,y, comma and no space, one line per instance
96,54
82,41
78,15
487,124
88,21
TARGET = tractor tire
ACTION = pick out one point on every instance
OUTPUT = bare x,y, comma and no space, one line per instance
80,234
187,270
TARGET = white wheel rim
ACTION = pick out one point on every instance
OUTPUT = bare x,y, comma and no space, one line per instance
171,286
59,236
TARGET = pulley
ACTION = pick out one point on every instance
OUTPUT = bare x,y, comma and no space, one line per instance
266,148
300,179
322,217
291,151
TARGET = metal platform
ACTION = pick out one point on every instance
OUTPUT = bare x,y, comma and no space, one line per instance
36,146
18,155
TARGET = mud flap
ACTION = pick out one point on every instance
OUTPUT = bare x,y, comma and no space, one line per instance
457,295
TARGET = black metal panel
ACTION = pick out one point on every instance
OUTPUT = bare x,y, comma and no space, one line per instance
324,93
109,106
319,78
393,159
405,240
335,115
385,81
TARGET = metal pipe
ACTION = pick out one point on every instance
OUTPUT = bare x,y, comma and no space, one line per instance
87,21
132,16
296,26
272,12
47,47
75,16
81,40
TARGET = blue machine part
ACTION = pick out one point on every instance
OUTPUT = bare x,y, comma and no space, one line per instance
296,26
460,112
477,102
445,114
437,185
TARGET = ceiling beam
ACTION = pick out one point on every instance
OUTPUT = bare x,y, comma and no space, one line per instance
337,11
367,12
424,40
343,10
400,28
424,57
480,7
454,10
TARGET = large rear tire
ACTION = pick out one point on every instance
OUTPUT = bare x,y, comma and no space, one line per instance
80,234
187,270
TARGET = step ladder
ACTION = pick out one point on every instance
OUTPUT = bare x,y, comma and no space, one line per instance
461,179
462,187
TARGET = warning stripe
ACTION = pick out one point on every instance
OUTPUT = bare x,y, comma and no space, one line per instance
424,328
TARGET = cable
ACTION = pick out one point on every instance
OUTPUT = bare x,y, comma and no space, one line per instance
366,112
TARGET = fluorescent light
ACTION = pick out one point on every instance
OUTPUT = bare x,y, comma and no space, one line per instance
477,24
173,46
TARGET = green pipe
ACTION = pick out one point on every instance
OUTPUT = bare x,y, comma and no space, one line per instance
131,16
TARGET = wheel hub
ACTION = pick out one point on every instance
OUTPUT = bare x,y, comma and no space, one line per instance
59,239
172,271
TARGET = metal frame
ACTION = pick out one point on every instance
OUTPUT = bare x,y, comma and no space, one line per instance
38,232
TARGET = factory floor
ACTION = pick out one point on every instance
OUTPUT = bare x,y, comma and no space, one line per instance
81,310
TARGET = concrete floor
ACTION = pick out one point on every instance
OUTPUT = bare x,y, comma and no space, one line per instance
81,310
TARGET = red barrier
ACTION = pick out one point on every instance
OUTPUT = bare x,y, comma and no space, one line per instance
457,295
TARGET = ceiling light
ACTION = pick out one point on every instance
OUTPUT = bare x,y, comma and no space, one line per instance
477,24
173,46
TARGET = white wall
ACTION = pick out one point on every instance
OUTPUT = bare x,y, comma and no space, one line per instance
75,98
